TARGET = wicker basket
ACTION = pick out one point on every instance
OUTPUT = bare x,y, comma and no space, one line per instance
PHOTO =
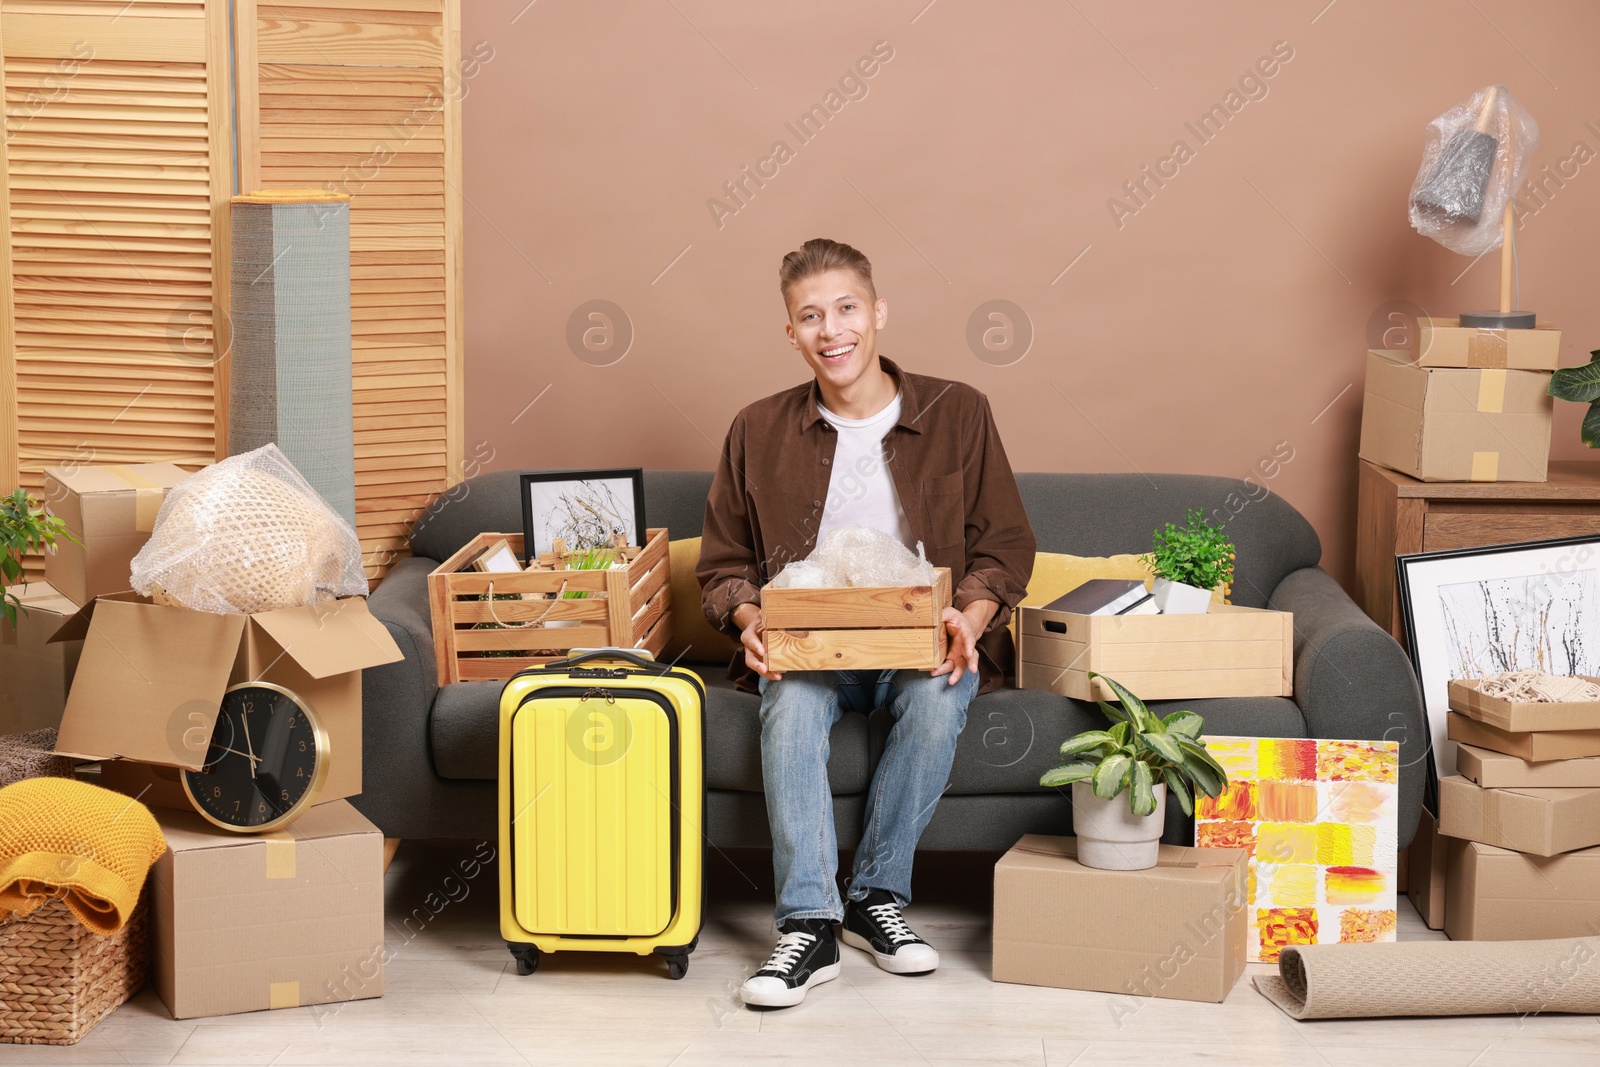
58,980
32,755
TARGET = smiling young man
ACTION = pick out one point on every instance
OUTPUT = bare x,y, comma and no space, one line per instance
864,444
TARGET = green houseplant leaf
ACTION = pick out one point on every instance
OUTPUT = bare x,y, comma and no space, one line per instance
1185,724
24,527
1067,773
1142,785
1112,775
1579,384
1085,742
1590,430
1177,787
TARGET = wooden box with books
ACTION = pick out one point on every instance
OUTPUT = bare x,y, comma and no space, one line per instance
490,624
858,628
1227,652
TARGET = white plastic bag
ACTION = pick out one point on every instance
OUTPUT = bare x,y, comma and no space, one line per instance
857,556
1473,160
245,535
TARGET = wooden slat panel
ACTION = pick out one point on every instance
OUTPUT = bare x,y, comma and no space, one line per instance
110,234
378,127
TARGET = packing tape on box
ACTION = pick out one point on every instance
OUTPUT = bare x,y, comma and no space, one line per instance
1487,348
283,995
147,498
1485,467
280,855
1492,391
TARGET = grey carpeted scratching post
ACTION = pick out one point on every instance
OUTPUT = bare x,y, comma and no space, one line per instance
290,382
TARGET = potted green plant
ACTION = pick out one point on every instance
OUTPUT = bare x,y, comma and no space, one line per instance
1188,562
1148,757
1582,385
24,528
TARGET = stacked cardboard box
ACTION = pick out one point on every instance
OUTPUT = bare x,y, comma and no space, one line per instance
1463,405
1520,820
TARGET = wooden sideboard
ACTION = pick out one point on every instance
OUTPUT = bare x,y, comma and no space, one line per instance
1397,514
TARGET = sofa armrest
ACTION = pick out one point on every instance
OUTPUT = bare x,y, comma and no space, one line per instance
1353,680
397,701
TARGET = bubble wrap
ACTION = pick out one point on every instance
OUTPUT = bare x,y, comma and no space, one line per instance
1473,160
857,556
246,535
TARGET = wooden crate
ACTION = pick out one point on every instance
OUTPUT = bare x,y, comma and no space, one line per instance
860,628
476,639
1228,652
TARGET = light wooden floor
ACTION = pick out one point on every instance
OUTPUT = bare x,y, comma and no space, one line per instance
453,998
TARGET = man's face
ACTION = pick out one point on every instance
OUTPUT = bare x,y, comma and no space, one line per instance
834,322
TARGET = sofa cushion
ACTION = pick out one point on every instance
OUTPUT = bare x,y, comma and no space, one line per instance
694,639
1014,735
464,733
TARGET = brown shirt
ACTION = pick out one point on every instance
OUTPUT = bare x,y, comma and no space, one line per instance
947,464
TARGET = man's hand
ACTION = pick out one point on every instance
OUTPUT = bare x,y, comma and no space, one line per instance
964,627
748,618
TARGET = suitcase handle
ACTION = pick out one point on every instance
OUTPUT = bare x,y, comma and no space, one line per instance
637,656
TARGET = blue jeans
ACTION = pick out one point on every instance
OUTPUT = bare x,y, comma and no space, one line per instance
797,712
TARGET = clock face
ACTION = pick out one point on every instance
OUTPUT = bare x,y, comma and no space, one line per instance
265,762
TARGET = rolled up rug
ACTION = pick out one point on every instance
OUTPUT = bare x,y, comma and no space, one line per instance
87,846
1364,981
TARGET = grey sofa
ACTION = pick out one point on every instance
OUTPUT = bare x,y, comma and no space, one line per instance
430,752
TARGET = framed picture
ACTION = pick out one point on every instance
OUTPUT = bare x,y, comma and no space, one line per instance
497,559
1475,611
586,509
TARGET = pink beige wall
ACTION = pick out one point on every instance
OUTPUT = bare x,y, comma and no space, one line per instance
1220,320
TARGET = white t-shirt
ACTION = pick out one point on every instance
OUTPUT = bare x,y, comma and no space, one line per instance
861,491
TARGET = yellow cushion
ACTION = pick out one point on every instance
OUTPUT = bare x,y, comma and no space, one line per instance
693,638
1056,574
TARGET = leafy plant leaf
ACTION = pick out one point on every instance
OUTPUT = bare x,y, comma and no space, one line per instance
1112,775
1067,773
1590,430
1185,724
1141,784
1164,745
1137,713
1112,712
1177,787
1207,773
1084,742
1578,384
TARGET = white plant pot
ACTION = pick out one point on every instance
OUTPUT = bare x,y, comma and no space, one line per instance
1175,598
1110,836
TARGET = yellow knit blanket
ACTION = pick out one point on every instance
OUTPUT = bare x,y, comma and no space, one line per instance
69,839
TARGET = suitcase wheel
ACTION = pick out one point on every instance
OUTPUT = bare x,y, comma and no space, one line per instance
677,961
527,957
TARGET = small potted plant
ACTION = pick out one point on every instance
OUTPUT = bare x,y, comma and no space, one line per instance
1147,756
24,528
1189,561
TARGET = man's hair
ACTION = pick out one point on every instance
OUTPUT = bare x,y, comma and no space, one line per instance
818,256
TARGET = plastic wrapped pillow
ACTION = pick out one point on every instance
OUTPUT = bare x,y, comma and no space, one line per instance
246,535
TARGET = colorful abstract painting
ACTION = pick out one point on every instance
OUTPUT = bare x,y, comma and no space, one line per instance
1320,820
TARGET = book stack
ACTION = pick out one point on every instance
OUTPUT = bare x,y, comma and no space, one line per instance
1107,596
1520,818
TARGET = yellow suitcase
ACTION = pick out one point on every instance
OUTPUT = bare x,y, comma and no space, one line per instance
602,805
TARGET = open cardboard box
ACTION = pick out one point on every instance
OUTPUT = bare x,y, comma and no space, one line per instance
151,678
112,510
36,674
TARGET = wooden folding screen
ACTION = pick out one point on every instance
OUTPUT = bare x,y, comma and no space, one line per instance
116,159
119,158
364,97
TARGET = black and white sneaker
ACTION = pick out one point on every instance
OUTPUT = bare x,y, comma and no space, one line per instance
875,925
807,955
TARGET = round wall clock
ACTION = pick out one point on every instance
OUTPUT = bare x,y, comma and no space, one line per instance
266,761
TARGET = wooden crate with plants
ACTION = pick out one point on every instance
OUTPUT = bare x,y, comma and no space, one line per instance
487,625
1192,650
857,628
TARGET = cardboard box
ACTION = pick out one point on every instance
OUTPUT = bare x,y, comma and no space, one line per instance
35,674
1543,822
1496,894
1227,652
151,678
1427,869
1176,930
245,923
1495,770
1536,746
1446,424
112,510
1446,343
1523,716
860,628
